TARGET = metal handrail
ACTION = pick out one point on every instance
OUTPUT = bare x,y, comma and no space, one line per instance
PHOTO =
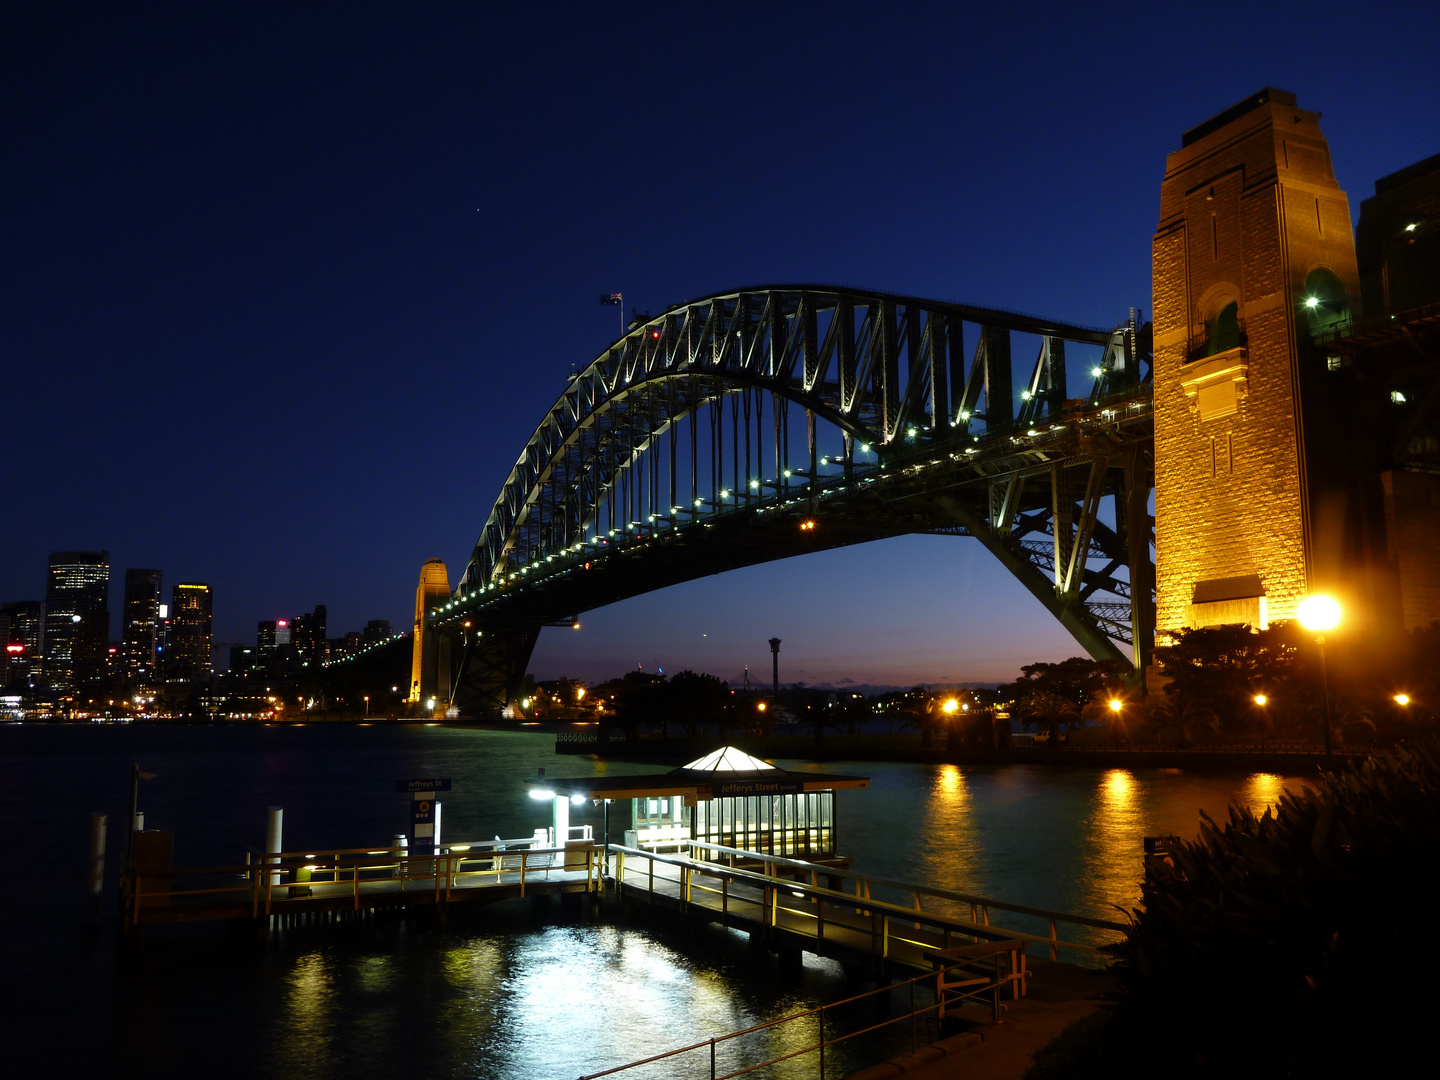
444,869
885,909
920,890
992,988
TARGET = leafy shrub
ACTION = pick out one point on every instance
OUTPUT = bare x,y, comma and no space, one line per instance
1297,943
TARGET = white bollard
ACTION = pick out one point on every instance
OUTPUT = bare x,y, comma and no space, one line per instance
98,826
274,826
139,821
437,828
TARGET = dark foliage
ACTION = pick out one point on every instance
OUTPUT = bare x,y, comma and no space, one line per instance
1293,944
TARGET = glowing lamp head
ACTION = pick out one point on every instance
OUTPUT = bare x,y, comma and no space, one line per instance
761,706
1402,699
1261,699
1319,613
1115,704
541,793
951,705
577,799
1312,302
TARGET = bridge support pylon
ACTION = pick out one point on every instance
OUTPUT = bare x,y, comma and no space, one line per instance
490,668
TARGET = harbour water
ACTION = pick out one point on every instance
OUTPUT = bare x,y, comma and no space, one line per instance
515,990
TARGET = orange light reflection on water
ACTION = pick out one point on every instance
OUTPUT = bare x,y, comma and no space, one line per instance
1114,850
949,838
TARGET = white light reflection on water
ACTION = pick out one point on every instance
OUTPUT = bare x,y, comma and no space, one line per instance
598,996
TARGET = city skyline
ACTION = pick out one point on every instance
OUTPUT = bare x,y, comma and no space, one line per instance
344,277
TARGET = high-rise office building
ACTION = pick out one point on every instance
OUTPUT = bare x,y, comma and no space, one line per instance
307,633
190,632
272,645
24,642
142,623
77,617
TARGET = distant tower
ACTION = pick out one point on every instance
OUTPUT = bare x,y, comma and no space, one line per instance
190,608
429,666
1253,259
775,662
77,617
142,623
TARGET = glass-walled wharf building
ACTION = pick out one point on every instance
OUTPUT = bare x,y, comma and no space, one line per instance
727,798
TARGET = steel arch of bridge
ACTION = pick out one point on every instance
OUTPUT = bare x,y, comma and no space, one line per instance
924,442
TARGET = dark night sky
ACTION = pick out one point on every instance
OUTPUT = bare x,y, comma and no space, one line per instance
287,287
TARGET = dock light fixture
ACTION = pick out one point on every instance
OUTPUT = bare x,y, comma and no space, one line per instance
540,794
1402,699
1410,227
1261,700
577,799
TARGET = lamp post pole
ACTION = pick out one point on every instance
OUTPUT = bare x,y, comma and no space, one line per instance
1325,695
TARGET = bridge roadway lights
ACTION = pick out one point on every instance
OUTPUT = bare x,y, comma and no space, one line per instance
884,374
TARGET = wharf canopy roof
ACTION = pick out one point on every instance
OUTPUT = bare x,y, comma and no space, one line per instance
725,772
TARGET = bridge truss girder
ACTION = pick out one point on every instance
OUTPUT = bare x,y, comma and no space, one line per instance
885,374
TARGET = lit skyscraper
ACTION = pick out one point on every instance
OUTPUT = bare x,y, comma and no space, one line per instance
307,633
77,617
142,623
190,632
23,646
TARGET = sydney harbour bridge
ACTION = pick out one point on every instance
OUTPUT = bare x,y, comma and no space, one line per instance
770,422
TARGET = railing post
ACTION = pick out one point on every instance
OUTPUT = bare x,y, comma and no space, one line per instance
822,1042
523,854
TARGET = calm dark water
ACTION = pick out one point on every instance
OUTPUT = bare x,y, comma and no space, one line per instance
516,990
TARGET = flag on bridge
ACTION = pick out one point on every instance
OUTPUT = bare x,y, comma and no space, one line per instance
612,298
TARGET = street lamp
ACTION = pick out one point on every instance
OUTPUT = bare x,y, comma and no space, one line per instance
367,704
1402,700
1318,614
1115,706
1260,702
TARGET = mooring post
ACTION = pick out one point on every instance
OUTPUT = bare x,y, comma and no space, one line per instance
98,828
274,823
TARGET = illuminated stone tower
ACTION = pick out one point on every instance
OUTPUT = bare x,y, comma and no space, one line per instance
429,666
1253,260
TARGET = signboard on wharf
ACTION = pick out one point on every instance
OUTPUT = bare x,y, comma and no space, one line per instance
404,787
757,787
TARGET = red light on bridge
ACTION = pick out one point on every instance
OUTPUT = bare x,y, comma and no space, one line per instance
655,335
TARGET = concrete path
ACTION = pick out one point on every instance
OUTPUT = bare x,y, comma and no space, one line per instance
1059,995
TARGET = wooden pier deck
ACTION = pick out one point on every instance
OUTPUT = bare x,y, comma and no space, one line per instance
285,884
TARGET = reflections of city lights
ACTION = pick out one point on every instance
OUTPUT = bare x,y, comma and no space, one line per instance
373,974
309,1001
1114,842
948,840
950,783
1262,791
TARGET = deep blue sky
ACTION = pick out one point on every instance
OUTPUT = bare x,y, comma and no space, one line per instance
286,287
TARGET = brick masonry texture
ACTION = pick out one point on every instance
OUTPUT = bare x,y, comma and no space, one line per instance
1239,222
